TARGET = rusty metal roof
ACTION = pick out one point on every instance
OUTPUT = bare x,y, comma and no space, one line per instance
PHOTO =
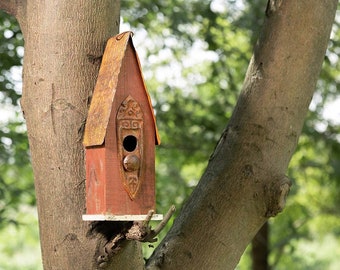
105,89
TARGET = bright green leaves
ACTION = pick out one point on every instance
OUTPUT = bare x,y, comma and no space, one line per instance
11,53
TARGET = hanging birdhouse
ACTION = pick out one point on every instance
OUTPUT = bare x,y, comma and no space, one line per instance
120,138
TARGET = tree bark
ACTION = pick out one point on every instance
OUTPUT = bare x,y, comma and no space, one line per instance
244,183
260,249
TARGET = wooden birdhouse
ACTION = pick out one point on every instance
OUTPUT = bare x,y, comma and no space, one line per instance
120,138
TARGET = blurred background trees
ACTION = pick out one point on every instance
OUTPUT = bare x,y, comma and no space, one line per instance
194,56
18,221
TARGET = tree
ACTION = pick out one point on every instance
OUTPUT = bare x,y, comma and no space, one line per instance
245,176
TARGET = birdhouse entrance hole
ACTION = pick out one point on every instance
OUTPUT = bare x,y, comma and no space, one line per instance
130,143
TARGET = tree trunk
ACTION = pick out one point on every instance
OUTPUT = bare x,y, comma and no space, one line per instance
244,183
260,249
64,42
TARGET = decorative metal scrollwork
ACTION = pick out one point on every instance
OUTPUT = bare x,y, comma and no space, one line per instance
130,144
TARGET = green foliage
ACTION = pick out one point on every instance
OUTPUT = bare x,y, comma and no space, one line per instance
16,180
194,102
18,226
11,53
19,245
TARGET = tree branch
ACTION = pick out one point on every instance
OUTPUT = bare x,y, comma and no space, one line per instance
244,182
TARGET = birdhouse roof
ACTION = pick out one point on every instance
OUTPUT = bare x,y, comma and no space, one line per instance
105,89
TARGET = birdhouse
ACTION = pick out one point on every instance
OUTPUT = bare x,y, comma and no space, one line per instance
120,138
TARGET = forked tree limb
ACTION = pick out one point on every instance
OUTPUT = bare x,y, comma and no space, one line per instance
245,183
139,231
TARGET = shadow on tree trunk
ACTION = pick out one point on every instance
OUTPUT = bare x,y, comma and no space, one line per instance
260,249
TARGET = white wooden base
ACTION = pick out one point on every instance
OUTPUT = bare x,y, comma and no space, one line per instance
120,218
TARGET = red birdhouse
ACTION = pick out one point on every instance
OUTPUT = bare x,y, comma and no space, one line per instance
120,138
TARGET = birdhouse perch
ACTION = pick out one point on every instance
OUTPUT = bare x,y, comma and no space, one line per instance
120,138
